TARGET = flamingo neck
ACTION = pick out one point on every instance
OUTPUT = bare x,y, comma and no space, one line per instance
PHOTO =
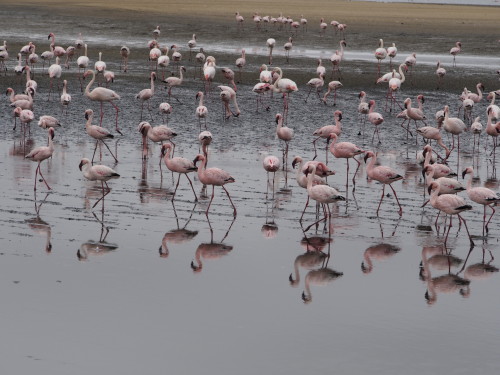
368,262
87,89
310,178
401,73
469,183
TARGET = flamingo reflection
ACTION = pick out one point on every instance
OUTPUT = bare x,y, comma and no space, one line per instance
100,247
211,250
40,226
380,252
177,236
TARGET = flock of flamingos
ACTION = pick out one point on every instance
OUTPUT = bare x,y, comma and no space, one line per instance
441,180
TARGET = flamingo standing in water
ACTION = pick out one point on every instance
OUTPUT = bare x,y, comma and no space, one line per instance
284,86
271,164
214,177
54,71
288,47
98,173
228,94
102,94
453,125
394,86
65,97
455,51
363,108
239,21
336,59
392,52
124,53
375,118
165,109
156,134
182,166
285,134
481,195
440,72
271,42
345,150
39,154
229,75
316,83
332,86
449,204
201,110
175,81
384,175
380,54
98,133
147,94
241,62
325,131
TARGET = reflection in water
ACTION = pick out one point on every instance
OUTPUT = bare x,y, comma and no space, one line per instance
320,277
40,226
270,228
147,193
448,283
177,236
380,252
438,258
482,270
100,247
211,250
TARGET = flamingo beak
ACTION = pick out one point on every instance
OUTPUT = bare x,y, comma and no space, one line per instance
366,157
195,160
86,116
464,172
294,162
429,189
80,166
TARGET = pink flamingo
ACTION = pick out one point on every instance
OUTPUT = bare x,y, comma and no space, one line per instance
449,204
432,133
54,71
260,89
394,86
271,164
440,72
214,177
481,195
336,59
332,86
302,178
440,170
228,94
285,134
455,51
98,173
160,133
375,119
384,175
147,94
493,130
241,62
100,65
363,108
165,109
209,75
323,194
58,51
410,62
48,122
98,133
239,21
316,83
325,131
454,126
288,47
415,114
380,54
270,43
229,75
39,154
447,185
102,94
25,117
201,111
182,166
65,97
322,27
284,86
124,53
392,52
476,128
175,81
345,150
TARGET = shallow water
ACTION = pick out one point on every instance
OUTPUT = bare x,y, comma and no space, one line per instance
105,296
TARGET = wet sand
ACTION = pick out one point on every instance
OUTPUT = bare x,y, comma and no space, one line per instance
116,291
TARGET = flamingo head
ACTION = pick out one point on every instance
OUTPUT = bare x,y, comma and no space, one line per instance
166,147
153,76
362,94
279,117
338,115
407,103
198,94
50,35
17,111
183,68
88,113
427,149
144,126
371,103
9,90
467,170
433,186
343,43
421,98
51,133
198,158
427,169
332,136
369,154
296,160
83,162
480,86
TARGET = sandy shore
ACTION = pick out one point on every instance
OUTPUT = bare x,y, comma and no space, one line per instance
363,16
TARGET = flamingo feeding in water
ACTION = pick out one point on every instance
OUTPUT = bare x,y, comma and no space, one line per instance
39,154
182,166
98,133
345,150
271,164
98,173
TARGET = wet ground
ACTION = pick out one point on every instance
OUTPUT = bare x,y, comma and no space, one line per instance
152,285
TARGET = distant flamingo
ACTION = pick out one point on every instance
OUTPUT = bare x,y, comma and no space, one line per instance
54,71
229,75
201,110
345,150
209,75
175,82
285,134
284,86
83,63
160,133
65,97
102,94
476,128
454,126
315,83
98,133
322,27
380,54
39,154
394,86
182,166
271,42
241,62
26,116
432,133
214,177
325,131
271,164
205,138
481,195
375,119
260,89
191,45
265,76
98,173
163,62
147,94
455,51
48,122
410,62
363,108
99,65
124,53
239,21
332,86
228,94
336,59
288,47
392,52
384,175
165,109
449,204
440,72
58,51
415,114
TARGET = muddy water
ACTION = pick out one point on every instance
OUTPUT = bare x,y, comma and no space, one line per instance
151,285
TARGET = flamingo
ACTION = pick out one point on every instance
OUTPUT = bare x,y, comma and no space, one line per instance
227,94
147,94
201,111
440,73
336,59
24,103
229,75
332,86
156,134
176,55
241,62
182,166
323,194
261,88
124,53
410,62
239,21
98,133
31,85
83,63
54,71
284,86
392,52
98,173
271,164
345,150
321,276
265,76
440,170
214,177
102,94
449,204
476,128
191,45
493,130
41,153
47,55
257,19
156,32
447,185
70,53
322,27
58,51
79,41
270,43
383,174
320,69
285,134
165,109
109,77
379,252
415,114
99,65
205,138
453,125
48,122
175,81
4,56
199,59
288,47
375,119
481,195
363,108
302,178
33,57
388,76
432,133
209,74
316,83
325,131
380,54
394,85
309,260
65,97
493,107
19,69
25,117
163,62
455,51
14,97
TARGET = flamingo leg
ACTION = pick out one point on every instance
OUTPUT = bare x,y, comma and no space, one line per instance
381,198
397,200
176,186
492,213
211,199
116,120
111,152
192,187
467,229
307,204
230,200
